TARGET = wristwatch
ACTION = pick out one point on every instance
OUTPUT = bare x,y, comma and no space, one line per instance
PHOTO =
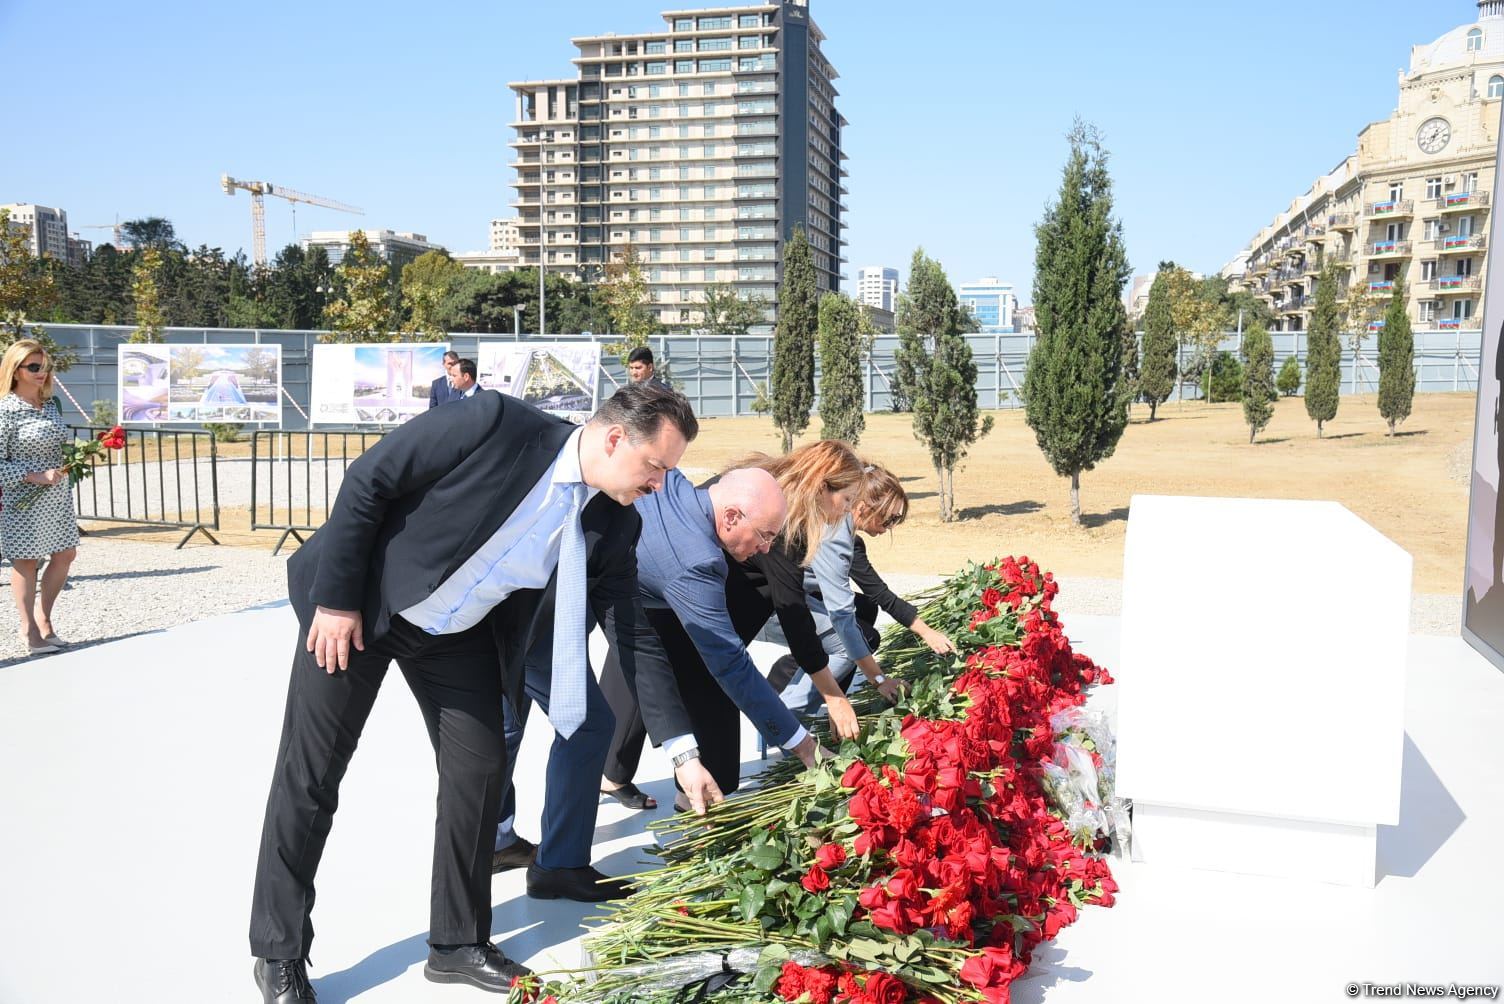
879,680
693,753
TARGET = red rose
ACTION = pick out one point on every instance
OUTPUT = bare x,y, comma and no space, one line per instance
830,856
856,775
882,988
991,598
815,880
790,985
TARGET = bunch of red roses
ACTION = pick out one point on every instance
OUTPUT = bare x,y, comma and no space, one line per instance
926,861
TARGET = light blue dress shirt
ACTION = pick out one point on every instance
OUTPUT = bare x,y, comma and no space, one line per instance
522,554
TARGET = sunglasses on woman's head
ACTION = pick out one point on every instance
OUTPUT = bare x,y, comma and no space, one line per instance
35,367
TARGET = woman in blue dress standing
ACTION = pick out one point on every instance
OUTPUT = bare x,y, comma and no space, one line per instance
38,520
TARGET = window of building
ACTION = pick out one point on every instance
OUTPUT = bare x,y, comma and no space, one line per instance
749,42
714,65
684,24
684,66
1394,232
1462,310
1465,226
715,44
749,21
1427,271
657,69
684,88
1470,181
708,87
1396,191
1427,310
684,256
657,48
683,172
1433,188
1475,40
1496,86
714,23
1464,266
654,91
684,45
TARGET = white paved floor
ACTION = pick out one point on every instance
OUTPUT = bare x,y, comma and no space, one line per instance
133,777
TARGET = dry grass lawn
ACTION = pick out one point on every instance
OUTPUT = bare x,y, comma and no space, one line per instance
1412,487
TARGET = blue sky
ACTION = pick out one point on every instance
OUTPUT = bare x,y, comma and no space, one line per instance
1216,114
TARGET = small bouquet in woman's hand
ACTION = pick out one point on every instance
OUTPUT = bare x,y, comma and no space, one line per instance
78,463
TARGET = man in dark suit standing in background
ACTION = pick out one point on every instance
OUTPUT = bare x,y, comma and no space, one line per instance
458,545
442,389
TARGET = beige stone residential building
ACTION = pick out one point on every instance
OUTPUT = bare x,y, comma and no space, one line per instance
1412,202
702,144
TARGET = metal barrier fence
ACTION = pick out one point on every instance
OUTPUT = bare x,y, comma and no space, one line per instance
160,477
723,375
285,493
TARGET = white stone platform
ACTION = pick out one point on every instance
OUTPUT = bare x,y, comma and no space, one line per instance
133,777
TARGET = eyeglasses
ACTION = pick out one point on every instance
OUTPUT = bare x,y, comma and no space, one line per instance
765,537
36,367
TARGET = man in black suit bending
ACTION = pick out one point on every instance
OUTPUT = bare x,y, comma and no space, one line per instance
466,540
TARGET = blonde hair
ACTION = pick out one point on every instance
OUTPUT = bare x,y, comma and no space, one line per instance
884,497
805,474
15,356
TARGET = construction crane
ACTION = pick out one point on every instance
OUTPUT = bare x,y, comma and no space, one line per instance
259,190
106,226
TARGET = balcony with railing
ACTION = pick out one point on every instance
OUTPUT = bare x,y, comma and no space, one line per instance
1380,286
1460,201
1341,221
1389,249
1392,209
1456,284
1293,305
1448,323
1459,243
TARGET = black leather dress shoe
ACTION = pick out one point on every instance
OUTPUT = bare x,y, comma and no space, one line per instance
283,981
584,885
518,854
475,965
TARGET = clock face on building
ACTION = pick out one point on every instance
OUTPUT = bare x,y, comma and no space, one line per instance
1434,134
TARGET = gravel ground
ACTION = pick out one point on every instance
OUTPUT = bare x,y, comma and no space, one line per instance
124,587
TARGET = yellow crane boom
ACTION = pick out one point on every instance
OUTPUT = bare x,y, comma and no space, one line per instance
259,190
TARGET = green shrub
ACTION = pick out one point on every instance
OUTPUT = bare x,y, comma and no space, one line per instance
1288,380
104,413
224,432
1227,378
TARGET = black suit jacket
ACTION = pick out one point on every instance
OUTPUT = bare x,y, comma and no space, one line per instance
419,504
440,392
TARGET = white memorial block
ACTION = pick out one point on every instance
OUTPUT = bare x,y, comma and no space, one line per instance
1261,686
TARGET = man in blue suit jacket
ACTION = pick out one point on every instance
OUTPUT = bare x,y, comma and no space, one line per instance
687,535
442,390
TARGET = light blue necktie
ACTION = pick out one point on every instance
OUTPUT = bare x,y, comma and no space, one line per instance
566,699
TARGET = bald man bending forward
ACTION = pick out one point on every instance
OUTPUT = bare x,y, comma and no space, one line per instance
688,534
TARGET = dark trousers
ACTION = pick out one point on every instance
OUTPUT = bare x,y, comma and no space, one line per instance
456,680
716,718
570,802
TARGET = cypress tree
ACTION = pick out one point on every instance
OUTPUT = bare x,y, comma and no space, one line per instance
1323,353
918,318
1157,371
794,340
946,418
1259,392
841,347
1074,397
1396,361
